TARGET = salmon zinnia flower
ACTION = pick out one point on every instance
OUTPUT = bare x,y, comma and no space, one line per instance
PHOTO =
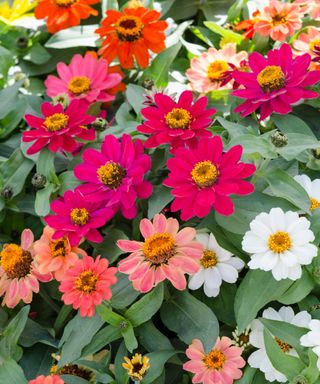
62,14
19,275
131,34
166,253
87,284
52,379
308,42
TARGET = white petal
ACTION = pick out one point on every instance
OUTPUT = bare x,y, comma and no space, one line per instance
295,272
236,262
212,277
272,314
306,253
253,244
196,280
203,238
260,229
314,325
306,341
304,181
211,292
288,258
268,261
298,225
228,272
277,219
256,358
302,237
286,313
280,271
213,244
301,319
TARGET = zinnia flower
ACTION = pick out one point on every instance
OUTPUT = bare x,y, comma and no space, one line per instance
137,366
115,176
58,128
207,72
52,379
309,7
13,12
178,123
18,273
131,34
280,242
308,42
312,338
219,366
55,256
87,284
275,83
259,359
312,188
248,25
166,253
279,20
203,178
77,217
241,339
217,265
85,78
62,14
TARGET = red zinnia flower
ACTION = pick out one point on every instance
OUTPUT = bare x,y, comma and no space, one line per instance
248,25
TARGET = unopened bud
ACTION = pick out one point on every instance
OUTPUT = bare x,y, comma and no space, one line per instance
148,83
38,180
99,124
123,324
279,139
61,98
316,153
22,42
300,379
6,193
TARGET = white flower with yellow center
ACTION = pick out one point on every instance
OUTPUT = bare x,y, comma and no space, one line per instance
280,242
259,359
312,187
217,265
312,338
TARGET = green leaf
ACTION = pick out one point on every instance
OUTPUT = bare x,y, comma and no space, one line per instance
80,36
42,202
135,96
254,144
109,4
159,199
67,181
38,54
248,376
101,339
292,124
312,371
123,293
120,373
35,333
45,163
225,33
6,61
298,290
11,372
13,118
297,143
157,362
70,379
129,338
107,315
108,248
8,97
151,338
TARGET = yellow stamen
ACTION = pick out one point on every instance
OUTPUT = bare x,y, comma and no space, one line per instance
271,78
215,360
64,3
159,248
216,70
209,259
15,261
59,247
314,43
285,347
79,84
279,19
178,118
279,242
111,174
129,28
56,122
79,216
86,282
314,204
137,366
204,174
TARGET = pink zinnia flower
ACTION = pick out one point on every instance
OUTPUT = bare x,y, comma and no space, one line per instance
219,366
87,284
203,178
279,20
178,123
166,253
18,273
115,175
310,7
307,42
207,72
85,78
77,217
52,379
275,83
55,256
58,128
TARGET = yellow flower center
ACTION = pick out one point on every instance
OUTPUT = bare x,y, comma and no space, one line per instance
64,3
111,174
56,122
314,43
129,28
86,282
279,19
79,216
59,247
215,360
204,174
178,118
271,78
209,259
136,366
216,70
314,204
159,248
15,261
279,242
78,85
284,346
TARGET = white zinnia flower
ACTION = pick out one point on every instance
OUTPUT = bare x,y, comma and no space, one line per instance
312,188
312,338
242,339
280,242
217,265
259,359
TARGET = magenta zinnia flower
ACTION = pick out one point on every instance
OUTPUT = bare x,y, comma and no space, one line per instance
275,83
58,128
115,175
77,217
166,253
85,78
174,123
219,366
203,178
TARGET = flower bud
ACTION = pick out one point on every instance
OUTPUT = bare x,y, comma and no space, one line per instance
148,83
99,124
38,180
279,139
6,193
61,98
300,379
123,324
316,153
22,42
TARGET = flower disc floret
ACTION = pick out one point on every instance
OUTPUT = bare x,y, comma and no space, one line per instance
271,78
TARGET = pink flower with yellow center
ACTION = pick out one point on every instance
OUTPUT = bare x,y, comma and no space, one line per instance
219,366
279,20
207,72
87,284
85,78
309,7
165,253
306,43
52,379
19,275
55,256
275,83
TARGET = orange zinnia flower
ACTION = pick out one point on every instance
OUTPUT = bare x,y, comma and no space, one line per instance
131,34
62,14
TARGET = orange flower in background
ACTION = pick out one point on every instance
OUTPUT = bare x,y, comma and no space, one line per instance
248,25
132,34
62,14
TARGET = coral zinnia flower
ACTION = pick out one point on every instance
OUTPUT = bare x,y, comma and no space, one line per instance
131,34
310,7
174,123
115,175
85,78
248,25
18,273
137,366
203,178
55,256
207,71
87,284
307,42
77,217
166,253
58,128
275,83
219,366
279,20
62,14
52,379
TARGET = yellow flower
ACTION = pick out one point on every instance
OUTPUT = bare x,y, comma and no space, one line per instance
18,9
137,366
